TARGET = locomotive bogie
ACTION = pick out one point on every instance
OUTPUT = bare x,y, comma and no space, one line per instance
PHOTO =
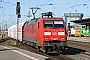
54,46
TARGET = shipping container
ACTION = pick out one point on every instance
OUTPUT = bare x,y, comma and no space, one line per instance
72,32
77,33
85,32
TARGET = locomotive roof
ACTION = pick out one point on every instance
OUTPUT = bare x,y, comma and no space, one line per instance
32,21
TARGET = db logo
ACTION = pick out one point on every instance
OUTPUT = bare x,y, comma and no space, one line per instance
54,33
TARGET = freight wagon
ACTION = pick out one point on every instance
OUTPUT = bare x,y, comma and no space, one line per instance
85,32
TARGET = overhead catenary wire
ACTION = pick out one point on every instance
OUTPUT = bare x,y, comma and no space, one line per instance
48,2
45,3
5,8
72,6
10,5
79,4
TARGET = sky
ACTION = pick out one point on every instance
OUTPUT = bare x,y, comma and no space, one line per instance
58,7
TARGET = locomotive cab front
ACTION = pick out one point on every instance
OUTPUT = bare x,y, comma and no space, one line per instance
54,34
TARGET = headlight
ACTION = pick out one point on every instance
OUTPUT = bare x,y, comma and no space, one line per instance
47,33
61,33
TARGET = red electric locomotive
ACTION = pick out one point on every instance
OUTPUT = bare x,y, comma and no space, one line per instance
46,33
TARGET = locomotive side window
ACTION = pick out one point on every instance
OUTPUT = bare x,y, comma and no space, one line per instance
38,25
53,24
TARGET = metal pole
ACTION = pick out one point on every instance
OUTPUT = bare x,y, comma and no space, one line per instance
0,27
89,29
29,10
17,30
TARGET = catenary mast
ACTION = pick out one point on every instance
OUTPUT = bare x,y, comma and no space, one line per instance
28,10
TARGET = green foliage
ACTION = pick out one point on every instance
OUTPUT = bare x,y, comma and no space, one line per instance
10,42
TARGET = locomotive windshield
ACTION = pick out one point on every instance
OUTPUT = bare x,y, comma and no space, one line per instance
53,24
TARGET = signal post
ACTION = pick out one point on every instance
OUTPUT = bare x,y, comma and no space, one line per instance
18,18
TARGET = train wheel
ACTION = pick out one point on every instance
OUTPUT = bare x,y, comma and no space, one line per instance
46,50
50,49
60,49
39,48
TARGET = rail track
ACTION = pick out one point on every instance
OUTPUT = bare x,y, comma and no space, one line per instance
72,53
76,54
52,56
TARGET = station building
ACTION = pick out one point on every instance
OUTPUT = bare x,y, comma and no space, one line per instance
85,21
